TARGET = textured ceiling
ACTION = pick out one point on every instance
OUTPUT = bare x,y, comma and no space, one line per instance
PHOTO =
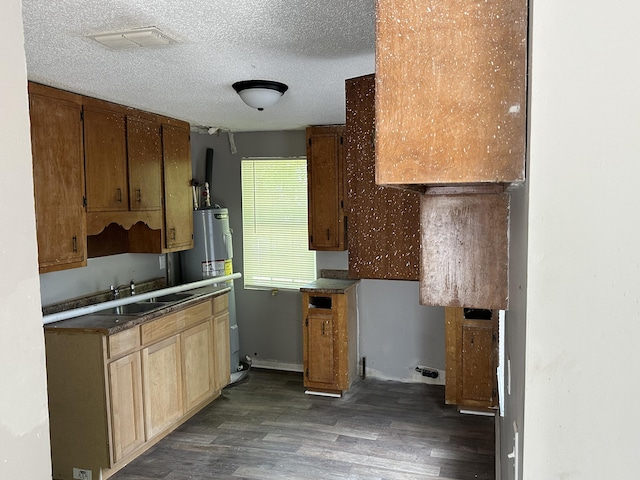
311,45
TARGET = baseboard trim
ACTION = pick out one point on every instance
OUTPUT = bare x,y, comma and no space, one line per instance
276,365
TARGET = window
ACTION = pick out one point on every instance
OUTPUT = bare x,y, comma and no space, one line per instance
275,226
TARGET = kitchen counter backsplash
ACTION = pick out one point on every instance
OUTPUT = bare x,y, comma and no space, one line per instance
336,274
103,296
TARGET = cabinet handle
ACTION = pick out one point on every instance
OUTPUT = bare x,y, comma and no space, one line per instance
75,244
119,196
138,195
173,233
328,234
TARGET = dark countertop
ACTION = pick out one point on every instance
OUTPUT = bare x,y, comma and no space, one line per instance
110,324
329,285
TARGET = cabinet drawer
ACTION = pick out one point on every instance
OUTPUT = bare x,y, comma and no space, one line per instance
175,322
220,304
123,342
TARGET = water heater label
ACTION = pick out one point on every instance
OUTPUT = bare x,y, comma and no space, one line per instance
213,268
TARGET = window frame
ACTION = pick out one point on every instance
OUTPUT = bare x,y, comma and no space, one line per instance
258,206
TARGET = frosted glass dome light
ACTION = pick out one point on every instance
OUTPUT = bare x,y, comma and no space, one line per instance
260,94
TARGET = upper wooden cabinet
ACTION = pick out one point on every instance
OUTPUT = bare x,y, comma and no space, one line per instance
144,152
105,147
384,222
107,178
123,157
450,92
465,250
325,180
178,207
58,178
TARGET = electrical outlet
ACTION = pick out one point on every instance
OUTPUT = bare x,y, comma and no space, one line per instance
428,375
81,474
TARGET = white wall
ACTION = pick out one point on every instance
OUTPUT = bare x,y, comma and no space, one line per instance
24,421
583,293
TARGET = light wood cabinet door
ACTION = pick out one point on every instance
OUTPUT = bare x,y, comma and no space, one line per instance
162,385
105,146
178,203
58,178
450,92
127,421
321,365
222,350
325,183
197,364
384,222
144,151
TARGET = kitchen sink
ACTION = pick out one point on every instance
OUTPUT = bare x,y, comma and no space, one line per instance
133,308
173,297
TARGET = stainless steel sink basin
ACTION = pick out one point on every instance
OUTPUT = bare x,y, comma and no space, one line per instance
174,297
133,308
170,298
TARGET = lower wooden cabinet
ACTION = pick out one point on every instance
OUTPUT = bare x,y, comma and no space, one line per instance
329,335
197,359
162,385
125,386
471,339
112,396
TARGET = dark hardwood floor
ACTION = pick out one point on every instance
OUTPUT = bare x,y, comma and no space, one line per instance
266,428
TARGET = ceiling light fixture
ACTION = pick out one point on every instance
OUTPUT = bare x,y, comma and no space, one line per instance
259,94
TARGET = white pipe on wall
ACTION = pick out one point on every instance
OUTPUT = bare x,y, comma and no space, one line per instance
77,312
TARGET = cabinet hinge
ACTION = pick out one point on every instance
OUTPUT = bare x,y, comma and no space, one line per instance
84,201
341,140
307,372
309,142
306,322
494,337
310,238
81,115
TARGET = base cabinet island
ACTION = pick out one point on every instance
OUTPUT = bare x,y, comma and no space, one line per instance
330,334
119,383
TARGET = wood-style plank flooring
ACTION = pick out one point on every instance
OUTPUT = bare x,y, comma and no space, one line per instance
266,428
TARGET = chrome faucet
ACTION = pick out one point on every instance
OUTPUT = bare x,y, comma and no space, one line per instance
115,293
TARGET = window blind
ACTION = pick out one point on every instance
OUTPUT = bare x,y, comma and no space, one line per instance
275,225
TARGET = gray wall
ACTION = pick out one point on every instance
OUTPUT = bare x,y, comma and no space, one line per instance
515,335
396,333
98,275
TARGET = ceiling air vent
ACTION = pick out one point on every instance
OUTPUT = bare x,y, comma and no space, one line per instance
139,37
